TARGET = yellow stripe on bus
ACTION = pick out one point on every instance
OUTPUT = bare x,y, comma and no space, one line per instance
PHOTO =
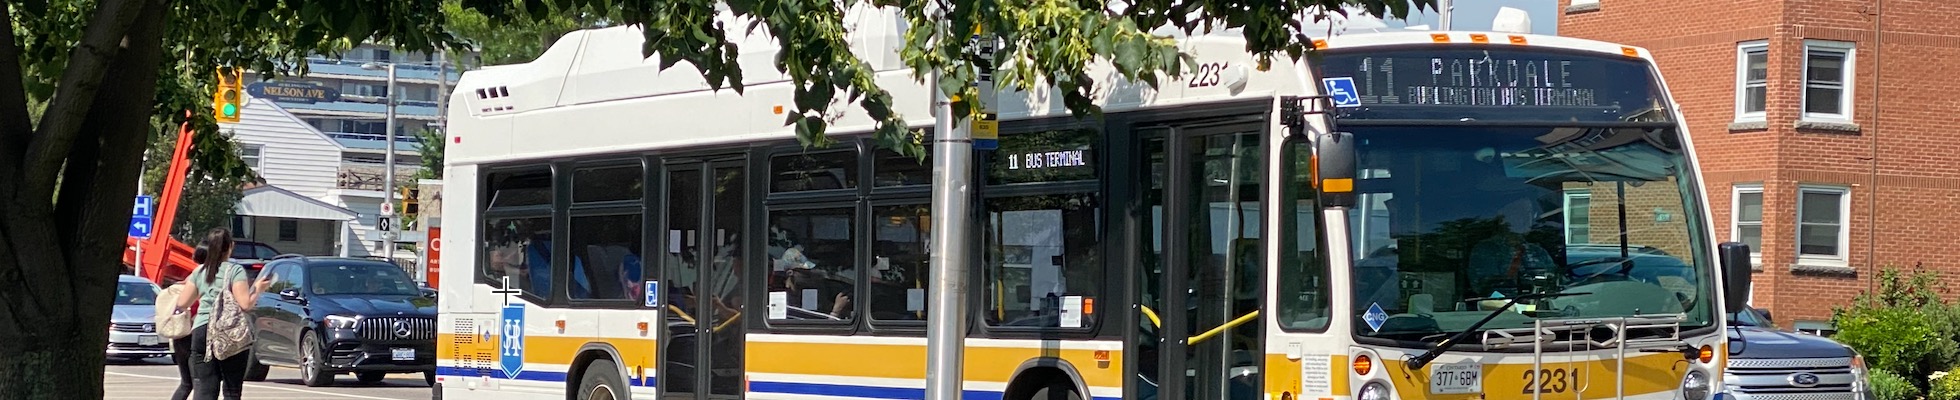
558,350
1596,378
985,364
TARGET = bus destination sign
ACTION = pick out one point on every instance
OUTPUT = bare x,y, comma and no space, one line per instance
1398,82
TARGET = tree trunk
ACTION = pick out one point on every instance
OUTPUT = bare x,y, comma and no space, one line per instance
54,348
53,367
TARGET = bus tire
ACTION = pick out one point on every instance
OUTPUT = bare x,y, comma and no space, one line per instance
601,382
1056,390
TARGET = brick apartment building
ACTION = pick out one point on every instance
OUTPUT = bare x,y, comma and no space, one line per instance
1829,156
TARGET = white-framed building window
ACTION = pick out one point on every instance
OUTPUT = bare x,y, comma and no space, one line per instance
1823,233
1827,83
1751,80
1578,217
252,154
1746,218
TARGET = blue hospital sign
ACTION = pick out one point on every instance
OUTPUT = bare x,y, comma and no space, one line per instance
510,356
139,218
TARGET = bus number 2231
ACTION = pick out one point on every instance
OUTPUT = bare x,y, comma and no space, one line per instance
1556,380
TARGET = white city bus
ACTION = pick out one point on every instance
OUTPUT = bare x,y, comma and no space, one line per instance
1406,215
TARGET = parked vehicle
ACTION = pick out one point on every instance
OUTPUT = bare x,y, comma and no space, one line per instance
328,316
252,255
1767,363
132,326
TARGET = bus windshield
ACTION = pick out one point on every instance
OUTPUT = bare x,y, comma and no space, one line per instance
1453,220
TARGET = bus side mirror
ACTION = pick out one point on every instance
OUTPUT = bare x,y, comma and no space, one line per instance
1736,274
1334,169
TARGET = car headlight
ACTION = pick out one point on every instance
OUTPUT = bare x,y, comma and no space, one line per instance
342,322
1374,391
1695,385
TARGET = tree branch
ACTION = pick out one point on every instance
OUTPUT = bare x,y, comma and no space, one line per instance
96,184
15,128
62,122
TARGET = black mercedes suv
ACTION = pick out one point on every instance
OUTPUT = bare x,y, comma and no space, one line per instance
328,316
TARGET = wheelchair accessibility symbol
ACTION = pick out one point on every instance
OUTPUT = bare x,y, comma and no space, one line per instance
1341,90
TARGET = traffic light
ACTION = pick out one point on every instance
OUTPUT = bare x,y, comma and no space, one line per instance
229,99
410,201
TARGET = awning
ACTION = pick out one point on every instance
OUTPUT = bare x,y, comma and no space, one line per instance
273,202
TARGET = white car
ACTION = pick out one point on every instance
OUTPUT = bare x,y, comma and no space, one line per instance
132,326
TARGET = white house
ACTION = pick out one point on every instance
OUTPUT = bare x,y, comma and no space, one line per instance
324,191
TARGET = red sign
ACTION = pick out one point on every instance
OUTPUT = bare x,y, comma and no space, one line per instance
435,256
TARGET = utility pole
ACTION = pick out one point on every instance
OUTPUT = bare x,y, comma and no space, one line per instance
946,321
388,180
442,91
388,171
1443,9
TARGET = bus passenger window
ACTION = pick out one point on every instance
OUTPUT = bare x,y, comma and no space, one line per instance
813,171
898,266
519,249
1041,252
813,256
606,261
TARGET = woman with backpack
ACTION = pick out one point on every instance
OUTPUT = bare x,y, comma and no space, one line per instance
216,355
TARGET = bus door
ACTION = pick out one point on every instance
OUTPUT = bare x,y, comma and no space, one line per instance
701,346
1201,276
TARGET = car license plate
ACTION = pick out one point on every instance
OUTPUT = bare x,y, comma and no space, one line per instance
404,354
1456,378
149,340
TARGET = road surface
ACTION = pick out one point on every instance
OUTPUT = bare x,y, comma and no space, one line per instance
156,378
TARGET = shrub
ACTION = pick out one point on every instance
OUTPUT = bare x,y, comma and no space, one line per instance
1889,386
1944,386
1903,327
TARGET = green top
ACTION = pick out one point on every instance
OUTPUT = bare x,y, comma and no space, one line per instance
207,293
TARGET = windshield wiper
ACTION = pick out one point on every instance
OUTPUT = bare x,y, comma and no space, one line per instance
1433,352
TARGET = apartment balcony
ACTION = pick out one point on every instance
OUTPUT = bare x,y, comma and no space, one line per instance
405,142
368,176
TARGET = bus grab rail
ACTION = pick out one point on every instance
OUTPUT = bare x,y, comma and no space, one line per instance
1234,323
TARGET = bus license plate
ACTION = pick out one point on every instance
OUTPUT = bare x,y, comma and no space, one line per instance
404,354
1456,378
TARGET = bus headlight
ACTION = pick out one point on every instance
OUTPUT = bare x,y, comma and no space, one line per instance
1374,391
1695,385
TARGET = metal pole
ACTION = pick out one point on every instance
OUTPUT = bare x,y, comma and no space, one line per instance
442,92
1443,14
139,242
388,174
952,157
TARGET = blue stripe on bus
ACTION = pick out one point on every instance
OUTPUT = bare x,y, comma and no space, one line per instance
821,389
876,392
540,376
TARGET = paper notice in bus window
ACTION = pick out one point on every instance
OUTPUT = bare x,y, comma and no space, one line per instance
674,241
778,305
1071,311
810,299
915,299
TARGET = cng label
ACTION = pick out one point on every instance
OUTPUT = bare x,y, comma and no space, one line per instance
511,355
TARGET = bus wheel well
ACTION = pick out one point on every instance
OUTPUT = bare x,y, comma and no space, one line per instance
1031,381
576,373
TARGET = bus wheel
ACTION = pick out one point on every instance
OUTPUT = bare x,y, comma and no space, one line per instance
600,383
1056,390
